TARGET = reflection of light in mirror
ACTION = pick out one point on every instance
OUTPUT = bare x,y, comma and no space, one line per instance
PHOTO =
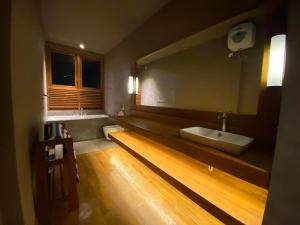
277,60
136,85
158,88
149,199
81,45
85,211
148,97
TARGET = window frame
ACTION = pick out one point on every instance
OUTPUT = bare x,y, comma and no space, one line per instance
79,55
101,72
49,68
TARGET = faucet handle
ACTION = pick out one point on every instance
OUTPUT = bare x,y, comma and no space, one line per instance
222,115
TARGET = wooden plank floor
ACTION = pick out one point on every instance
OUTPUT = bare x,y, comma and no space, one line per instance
117,189
239,199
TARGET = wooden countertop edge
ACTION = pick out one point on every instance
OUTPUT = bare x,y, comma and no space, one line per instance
231,165
208,206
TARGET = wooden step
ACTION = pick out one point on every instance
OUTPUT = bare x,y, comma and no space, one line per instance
229,198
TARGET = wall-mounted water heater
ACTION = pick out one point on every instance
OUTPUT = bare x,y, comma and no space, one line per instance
241,37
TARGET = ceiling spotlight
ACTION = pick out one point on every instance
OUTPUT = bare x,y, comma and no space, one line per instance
81,45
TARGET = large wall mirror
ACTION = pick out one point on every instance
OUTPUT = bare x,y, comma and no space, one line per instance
198,73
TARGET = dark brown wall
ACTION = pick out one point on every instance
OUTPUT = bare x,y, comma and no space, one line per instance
10,208
174,21
283,204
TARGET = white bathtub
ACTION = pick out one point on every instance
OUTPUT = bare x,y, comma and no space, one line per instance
74,117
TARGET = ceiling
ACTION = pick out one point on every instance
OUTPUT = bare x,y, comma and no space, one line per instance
99,24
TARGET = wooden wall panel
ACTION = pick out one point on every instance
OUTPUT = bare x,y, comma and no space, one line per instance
91,99
262,128
138,97
60,99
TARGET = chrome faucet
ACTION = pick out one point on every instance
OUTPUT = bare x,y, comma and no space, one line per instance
223,117
81,112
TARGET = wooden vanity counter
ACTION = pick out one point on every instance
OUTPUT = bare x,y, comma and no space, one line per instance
254,165
230,199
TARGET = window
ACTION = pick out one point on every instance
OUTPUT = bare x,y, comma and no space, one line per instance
74,77
63,69
91,73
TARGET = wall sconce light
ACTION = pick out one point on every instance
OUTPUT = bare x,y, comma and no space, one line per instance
136,85
277,60
130,84
133,85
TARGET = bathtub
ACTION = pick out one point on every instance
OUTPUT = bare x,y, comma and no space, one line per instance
60,118
81,128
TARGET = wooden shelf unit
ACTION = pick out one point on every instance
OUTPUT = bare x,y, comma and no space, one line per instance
42,167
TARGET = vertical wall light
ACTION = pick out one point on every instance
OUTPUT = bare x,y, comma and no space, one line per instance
133,85
136,85
277,60
130,84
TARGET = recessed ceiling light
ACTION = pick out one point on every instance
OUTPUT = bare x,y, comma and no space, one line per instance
81,45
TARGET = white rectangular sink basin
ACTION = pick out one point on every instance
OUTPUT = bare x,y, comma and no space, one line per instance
232,143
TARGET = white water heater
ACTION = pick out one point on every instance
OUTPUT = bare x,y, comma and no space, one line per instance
241,37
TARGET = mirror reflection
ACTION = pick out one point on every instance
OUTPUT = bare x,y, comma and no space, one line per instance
205,72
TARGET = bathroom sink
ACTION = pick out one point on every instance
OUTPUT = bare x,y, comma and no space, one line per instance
232,143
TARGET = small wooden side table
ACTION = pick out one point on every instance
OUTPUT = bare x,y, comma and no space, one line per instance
43,165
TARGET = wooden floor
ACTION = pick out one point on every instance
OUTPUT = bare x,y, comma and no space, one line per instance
117,189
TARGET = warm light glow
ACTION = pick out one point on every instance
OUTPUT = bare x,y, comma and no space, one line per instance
136,85
277,60
81,45
133,85
138,191
130,85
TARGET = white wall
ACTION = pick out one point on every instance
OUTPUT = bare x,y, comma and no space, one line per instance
27,52
283,206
